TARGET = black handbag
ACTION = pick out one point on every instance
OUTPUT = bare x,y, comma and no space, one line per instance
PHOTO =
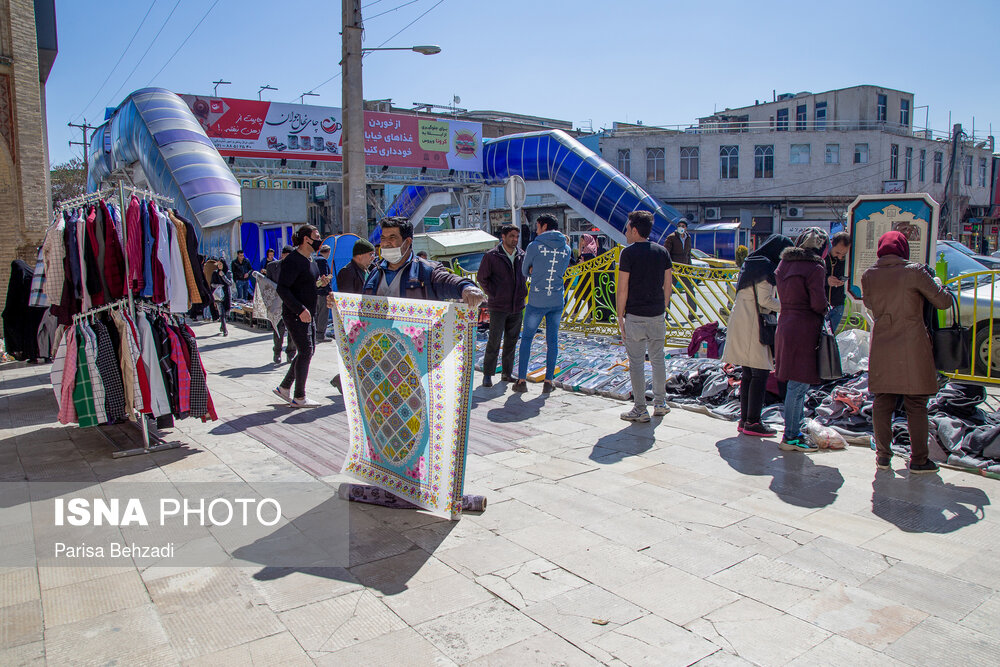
767,323
953,344
828,354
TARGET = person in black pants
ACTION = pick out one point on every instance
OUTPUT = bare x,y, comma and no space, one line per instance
272,271
297,289
501,278
322,289
223,278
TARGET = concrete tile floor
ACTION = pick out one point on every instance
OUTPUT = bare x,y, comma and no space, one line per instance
669,543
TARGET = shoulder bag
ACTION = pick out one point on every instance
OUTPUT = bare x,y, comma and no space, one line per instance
953,344
767,323
828,354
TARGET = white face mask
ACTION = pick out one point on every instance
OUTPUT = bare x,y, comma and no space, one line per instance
682,231
392,255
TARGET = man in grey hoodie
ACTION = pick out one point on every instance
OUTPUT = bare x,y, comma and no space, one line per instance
545,261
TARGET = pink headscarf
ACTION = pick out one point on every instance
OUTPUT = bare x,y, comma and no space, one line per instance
589,245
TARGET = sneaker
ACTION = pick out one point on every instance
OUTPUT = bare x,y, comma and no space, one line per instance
923,468
520,386
636,414
660,410
883,463
548,387
758,430
739,427
507,377
303,403
797,444
277,360
283,394
487,380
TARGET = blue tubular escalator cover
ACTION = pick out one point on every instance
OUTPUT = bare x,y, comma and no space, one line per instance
555,156
155,128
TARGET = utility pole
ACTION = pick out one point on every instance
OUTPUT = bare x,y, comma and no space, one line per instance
354,210
86,145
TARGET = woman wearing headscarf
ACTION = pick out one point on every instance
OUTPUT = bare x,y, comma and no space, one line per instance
755,285
801,282
223,278
588,247
901,361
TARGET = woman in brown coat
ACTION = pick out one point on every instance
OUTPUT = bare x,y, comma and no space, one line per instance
901,361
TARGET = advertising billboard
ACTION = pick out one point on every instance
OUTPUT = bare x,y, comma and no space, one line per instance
276,130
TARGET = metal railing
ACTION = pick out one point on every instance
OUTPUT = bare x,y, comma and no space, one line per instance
977,294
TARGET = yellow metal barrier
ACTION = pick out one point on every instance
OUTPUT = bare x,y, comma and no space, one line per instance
700,296
977,294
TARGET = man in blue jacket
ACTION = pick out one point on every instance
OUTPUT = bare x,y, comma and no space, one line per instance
545,261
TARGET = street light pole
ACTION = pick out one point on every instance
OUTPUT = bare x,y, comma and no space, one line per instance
354,217
263,88
220,82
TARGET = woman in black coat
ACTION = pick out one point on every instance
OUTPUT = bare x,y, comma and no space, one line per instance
222,277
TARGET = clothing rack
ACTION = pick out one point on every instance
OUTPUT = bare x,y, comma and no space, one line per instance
126,302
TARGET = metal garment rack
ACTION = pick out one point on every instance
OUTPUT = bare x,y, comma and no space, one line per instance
128,301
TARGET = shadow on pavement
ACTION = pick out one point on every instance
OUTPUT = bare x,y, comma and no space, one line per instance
228,342
798,479
925,503
235,373
516,408
634,439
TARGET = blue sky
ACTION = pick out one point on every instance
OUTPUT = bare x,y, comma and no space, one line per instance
660,62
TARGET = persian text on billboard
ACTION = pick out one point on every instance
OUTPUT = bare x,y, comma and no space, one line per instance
251,128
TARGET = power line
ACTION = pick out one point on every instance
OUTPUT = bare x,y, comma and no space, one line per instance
335,76
151,43
117,62
389,11
178,50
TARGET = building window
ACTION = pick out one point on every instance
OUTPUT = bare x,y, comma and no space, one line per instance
689,163
729,161
894,161
833,153
655,165
782,120
967,169
908,163
763,162
625,161
904,112
800,117
982,172
938,164
798,154
922,164
821,115
860,153
880,109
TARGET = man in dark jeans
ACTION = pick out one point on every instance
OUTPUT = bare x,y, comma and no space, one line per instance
272,271
297,289
679,244
241,276
836,277
322,289
506,288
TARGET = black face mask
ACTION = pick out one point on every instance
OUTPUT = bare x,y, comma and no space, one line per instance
315,243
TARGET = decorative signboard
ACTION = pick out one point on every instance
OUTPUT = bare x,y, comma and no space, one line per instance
257,129
871,216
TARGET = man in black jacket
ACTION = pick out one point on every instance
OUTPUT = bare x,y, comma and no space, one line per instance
351,278
297,289
241,276
506,288
272,271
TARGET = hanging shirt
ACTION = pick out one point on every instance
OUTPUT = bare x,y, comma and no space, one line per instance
111,379
53,254
37,296
64,376
81,240
83,395
179,302
181,363
199,383
163,253
96,384
189,279
72,253
114,258
134,244
148,248
159,401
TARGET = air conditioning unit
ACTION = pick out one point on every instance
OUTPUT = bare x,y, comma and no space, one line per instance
713,212
691,216
795,212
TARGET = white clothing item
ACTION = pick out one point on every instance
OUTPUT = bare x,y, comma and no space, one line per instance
164,228
177,291
160,402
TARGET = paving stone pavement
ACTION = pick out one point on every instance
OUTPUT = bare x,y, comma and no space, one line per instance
604,542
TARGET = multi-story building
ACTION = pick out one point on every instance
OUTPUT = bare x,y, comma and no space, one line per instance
799,160
27,51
